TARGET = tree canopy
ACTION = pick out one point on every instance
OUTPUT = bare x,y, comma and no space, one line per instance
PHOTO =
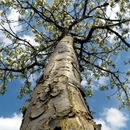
100,29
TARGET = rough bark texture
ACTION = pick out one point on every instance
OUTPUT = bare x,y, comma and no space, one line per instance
57,102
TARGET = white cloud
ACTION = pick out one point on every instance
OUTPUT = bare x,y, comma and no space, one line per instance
31,39
13,16
5,41
103,80
119,121
112,119
84,82
104,124
111,11
11,123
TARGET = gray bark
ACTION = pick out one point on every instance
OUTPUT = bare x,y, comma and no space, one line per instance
57,102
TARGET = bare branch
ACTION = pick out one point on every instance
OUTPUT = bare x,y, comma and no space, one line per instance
85,7
119,36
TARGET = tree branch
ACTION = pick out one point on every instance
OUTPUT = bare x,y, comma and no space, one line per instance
85,7
107,27
86,16
44,17
119,36
22,70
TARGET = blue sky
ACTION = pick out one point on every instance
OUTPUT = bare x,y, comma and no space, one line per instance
105,110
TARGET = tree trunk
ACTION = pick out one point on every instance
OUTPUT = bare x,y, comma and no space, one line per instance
57,102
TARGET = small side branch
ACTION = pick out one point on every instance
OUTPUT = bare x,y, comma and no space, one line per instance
119,36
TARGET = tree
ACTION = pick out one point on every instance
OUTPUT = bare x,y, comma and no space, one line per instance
82,38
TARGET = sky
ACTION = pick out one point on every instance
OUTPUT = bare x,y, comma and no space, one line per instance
105,111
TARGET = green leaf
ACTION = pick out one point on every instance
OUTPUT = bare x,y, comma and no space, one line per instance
11,76
89,93
28,83
128,73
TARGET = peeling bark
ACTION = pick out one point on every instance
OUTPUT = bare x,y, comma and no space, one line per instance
57,102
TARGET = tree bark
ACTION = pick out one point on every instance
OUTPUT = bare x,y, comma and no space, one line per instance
57,102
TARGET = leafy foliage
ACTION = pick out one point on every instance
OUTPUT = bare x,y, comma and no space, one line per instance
99,37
